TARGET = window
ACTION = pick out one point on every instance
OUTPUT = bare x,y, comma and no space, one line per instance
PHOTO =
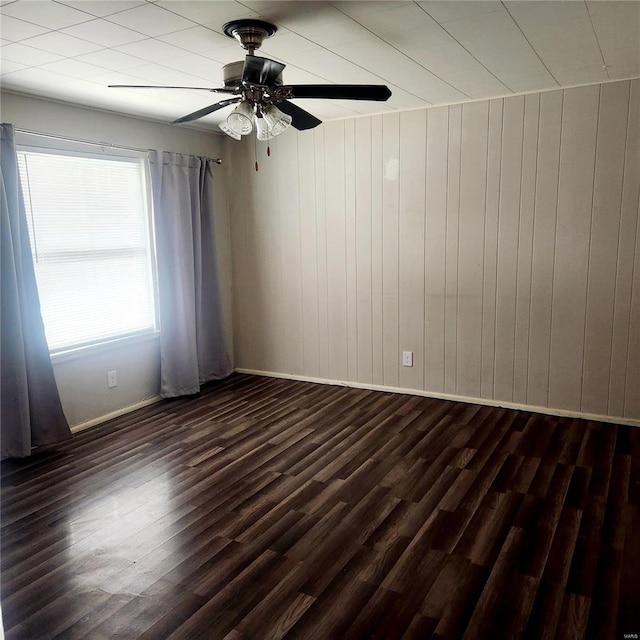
90,237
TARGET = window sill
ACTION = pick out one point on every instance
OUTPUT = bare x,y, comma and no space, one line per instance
108,345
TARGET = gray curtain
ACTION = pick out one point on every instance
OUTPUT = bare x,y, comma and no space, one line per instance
30,409
192,341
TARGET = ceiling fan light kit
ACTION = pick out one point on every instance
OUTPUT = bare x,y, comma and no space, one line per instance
269,121
263,101
240,121
262,129
229,132
277,121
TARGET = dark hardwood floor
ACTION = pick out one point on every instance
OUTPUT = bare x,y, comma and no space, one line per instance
267,508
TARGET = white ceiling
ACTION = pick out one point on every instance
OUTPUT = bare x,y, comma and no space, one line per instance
426,52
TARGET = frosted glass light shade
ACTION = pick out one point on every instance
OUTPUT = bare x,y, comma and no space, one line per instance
277,121
241,119
262,129
229,132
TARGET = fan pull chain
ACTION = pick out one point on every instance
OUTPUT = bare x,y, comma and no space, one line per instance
255,150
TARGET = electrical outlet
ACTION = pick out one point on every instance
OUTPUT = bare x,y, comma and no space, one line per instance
407,358
112,379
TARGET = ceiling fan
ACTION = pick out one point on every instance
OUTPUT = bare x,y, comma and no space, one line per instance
256,86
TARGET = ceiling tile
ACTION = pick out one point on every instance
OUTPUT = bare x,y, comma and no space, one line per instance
115,77
617,26
101,8
441,54
363,7
446,11
286,45
230,53
165,103
498,44
159,74
327,65
538,15
73,68
622,71
29,56
9,66
578,77
563,38
340,32
424,51
199,66
85,92
209,14
123,101
261,6
15,30
105,33
396,20
62,44
151,20
34,80
393,66
44,13
297,16
111,59
152,50
196,39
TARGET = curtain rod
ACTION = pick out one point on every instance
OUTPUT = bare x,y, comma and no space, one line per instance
98,144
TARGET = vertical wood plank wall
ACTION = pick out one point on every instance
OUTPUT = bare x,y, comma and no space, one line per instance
499,241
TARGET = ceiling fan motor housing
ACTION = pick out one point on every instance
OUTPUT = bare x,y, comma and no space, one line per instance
232,75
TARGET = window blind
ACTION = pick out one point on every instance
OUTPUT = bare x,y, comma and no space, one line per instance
89,231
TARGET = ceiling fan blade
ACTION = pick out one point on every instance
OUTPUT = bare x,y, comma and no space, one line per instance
341,91
261,70
154,86
300,119
200,113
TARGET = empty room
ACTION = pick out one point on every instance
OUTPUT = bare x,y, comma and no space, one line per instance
320,319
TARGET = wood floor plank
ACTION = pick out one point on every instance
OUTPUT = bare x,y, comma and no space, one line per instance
267,508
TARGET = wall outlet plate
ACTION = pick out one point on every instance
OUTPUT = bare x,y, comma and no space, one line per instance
407,358
112,379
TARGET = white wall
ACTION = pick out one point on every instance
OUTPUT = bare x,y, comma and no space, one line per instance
82,381
497,240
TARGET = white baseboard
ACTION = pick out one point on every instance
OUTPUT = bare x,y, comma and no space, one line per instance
449,396
114,414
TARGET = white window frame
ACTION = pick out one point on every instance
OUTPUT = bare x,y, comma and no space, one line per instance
33,143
